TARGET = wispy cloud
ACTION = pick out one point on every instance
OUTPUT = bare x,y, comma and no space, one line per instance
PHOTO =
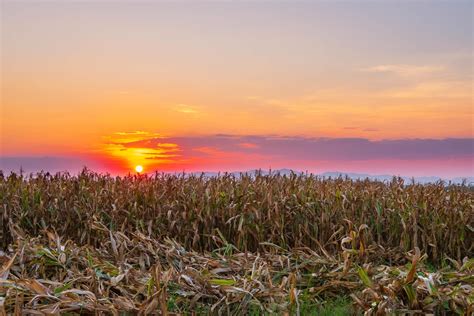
405,70
130,136
433,89
141,133
186,109
248,145
139,147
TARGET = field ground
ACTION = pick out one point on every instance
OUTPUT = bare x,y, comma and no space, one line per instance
94,244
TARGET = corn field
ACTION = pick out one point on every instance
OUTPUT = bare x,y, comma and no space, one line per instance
257,244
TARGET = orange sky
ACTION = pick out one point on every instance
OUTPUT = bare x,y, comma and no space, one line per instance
76,75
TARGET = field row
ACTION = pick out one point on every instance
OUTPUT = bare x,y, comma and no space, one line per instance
200,213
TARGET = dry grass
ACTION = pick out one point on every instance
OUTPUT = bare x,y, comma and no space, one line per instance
94,243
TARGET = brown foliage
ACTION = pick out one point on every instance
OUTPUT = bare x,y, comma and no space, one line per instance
94,243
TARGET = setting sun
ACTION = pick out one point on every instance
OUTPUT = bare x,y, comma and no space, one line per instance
139,169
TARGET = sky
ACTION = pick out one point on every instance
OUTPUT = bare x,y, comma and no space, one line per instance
379,87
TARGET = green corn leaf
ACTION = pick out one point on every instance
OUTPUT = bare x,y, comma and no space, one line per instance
222,282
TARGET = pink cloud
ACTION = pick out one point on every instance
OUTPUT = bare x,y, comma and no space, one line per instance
234,152
248,145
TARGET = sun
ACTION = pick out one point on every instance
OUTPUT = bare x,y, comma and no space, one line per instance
138,168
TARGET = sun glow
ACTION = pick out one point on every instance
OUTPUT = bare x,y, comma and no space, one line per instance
141,150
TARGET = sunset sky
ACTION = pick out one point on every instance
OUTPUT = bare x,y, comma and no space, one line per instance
367,86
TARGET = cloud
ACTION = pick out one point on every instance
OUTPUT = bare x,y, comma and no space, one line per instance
404,70
248,145
304,148
433,90
141,133
136,148
167,145
161,156
447,157
130,136
186,109
243,152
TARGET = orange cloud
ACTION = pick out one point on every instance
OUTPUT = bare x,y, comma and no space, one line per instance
135,148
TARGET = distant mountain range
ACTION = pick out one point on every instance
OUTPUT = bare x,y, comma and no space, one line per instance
354,176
